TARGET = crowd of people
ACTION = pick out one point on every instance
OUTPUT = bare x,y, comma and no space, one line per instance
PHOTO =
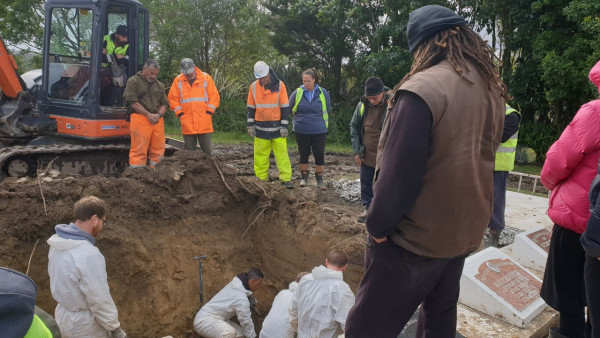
448,116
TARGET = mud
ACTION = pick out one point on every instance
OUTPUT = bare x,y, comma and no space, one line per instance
160,219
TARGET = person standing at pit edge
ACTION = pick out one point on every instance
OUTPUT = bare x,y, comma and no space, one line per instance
427,216
365,129
569,169
194,98
78,281
310,107
145,96
268,119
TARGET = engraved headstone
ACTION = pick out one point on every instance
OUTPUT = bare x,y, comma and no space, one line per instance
530,248
495,284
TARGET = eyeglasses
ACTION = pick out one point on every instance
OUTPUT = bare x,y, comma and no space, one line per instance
104,222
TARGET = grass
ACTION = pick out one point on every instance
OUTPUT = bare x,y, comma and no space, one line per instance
532,169
221,137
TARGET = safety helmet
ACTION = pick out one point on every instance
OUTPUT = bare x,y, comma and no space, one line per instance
261,69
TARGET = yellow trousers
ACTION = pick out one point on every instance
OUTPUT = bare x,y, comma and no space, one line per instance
262,151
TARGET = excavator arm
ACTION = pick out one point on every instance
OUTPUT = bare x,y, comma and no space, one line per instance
10,83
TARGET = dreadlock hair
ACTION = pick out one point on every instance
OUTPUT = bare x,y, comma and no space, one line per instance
457,45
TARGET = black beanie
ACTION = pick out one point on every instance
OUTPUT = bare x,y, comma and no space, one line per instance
373,86
122,30
428,20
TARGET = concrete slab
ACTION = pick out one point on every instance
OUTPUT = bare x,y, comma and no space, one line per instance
495,284
526,212
530,248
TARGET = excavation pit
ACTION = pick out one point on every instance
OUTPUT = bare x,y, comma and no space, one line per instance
159,220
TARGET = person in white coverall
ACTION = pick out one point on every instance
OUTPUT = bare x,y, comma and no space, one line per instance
78,275
277,322
214,318
322,300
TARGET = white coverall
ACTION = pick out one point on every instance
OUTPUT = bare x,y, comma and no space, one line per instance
78,283
213,319
277,322
320,304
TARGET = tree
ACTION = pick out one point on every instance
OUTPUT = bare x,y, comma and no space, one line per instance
225,35
22,23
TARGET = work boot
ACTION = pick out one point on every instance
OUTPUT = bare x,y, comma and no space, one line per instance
319,175
494,237
304,171
287,184
555,333
363,217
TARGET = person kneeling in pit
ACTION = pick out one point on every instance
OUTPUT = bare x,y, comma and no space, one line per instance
214,318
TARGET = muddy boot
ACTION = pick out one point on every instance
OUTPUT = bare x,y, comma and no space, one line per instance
363,217
304,171
287,184
494,237
319,175
555,333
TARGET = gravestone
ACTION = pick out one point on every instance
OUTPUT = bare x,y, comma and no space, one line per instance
530,248
495,284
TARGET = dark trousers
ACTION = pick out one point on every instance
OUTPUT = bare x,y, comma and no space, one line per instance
396,282
592,290
497,221
366,184
315,143
203,139
563,286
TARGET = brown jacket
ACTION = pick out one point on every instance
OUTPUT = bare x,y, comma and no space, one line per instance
454,204
151,95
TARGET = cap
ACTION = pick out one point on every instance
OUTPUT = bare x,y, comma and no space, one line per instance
187,66
122,30
373,86
428,20
261,69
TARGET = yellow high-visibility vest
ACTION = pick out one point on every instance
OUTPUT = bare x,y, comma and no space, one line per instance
505,155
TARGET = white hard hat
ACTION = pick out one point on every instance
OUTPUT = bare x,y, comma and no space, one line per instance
261,69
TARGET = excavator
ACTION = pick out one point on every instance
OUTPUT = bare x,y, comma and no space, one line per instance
68,115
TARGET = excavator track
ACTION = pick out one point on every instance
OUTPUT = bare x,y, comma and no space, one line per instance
86,160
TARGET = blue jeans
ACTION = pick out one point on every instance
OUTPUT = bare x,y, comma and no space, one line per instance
366,184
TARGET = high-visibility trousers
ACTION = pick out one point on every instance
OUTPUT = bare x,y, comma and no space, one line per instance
262,150
147,141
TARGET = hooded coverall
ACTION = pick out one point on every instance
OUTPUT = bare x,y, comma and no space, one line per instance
268,112
320,304
79,284
213,319
147,139
194,104
277,322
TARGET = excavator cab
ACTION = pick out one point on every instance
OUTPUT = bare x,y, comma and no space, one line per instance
78,90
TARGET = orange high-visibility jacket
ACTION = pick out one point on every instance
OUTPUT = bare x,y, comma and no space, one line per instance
195,104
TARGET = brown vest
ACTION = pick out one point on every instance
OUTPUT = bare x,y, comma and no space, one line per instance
454,204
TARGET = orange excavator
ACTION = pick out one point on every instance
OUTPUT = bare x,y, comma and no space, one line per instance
69,115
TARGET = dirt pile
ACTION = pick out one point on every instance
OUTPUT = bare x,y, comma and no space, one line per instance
158,220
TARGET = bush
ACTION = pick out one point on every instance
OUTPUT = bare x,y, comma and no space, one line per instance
231,116
339,124
539,137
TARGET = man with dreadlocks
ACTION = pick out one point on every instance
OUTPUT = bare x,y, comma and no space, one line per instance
434,185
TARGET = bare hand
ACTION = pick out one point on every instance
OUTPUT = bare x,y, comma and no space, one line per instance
379,240
357,159
153,118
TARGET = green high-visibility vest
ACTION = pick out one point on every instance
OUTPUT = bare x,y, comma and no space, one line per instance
300,92
505,155
111,48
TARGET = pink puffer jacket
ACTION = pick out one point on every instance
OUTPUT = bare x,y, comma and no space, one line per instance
571,164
